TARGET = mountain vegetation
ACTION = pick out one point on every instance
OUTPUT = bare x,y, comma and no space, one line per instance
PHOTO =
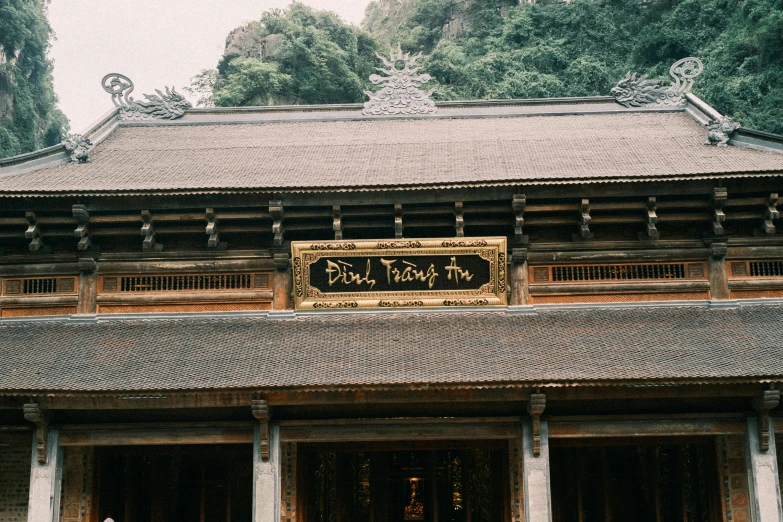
479,49
29,117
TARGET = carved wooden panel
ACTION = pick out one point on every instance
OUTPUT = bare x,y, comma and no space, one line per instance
618,298
758,268
756,294
618,272
39,286
288,482
171,283
183,307
29,311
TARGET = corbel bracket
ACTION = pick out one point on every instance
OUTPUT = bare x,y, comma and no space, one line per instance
212,231
535,407
337,222
518,255
281,260
260,410
719,197
584,222
718,249
518,206
148,231
652,232
768,400
34,414
33,233
398,221
87,265
459,219
771,213
82,231
276,211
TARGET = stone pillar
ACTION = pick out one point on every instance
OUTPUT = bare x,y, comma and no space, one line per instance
45,482
518,278
266,477
537,496
763,480
716,269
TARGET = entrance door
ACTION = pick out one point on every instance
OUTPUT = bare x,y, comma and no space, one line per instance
429,485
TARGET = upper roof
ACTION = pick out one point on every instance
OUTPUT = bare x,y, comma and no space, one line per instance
660,345
336,147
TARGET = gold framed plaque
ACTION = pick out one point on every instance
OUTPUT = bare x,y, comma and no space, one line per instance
401,273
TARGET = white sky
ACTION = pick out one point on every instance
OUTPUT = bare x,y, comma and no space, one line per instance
153,42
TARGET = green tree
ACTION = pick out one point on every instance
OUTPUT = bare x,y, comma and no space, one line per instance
29,117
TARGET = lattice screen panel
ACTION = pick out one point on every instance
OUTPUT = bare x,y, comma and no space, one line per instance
761,268
618,272
31,286
172,283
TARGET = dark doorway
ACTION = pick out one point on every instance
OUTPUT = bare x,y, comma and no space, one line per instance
175,483
459,484
644,483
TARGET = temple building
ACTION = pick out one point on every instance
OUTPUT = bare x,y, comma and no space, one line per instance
545,310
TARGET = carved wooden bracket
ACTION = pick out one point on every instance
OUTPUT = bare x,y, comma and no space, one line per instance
584,222
768,400
719,197
398,220
82,231
87,265
34,414
719,249
281,260
148,231
518,255
260,410
652,219
337,222
212,231
459,219
535,407
771,214
518,206
33,233
276,211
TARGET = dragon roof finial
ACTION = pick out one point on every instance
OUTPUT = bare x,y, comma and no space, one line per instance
638,91
171,105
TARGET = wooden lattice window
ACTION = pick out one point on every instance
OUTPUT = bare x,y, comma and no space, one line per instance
760,268
32,286
172,283
617,272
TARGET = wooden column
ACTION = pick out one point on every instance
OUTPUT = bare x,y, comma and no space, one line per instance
266,476
763,479
535,469
282,281
518,277
88,286
46,481
716,268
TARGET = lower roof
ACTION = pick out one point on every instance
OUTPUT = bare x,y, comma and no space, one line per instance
654,345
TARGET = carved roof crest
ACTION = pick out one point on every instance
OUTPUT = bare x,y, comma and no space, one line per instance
171,105
638,91
400,92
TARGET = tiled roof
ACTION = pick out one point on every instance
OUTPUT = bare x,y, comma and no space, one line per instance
652,345
393,153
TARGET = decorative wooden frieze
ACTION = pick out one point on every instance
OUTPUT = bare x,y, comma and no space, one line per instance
652,232
535,407
34,414
337,222
260,409
771,214
459,219
398,220
149,244
518,206
719,197
276,211
202,283
399,273
33,233
617,272
82,232
584,222
39,286
768,400
212,231
757,268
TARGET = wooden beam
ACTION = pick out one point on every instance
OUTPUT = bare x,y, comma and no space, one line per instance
130,437
641,428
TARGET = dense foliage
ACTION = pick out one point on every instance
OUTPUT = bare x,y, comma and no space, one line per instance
296,55
583,47
29,118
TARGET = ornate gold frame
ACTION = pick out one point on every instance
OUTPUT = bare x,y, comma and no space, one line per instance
307,297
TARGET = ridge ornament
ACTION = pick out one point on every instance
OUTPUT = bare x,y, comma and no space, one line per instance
168,106
400,93
638,91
